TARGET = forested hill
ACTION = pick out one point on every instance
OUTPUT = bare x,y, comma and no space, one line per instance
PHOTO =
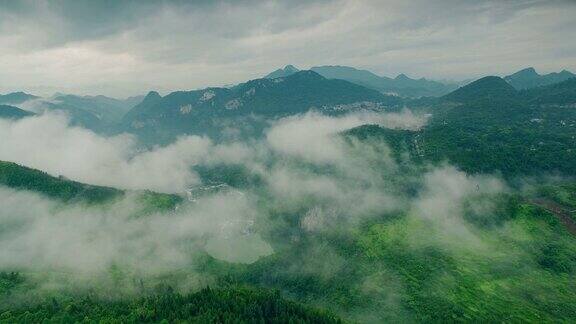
19,177
208,111
490,87
559,94
488,126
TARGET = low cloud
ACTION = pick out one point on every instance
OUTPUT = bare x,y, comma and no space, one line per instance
312,136
312,183
48,143
42,235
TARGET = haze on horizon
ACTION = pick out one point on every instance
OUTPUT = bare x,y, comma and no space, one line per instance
124,48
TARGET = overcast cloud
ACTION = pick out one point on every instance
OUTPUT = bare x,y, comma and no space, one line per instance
123,48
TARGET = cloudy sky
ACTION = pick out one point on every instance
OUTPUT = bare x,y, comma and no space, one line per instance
123,48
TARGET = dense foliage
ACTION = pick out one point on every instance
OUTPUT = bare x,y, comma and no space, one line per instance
231,305
19,177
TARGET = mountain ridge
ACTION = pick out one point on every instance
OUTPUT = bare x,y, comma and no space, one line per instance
401,85
15,98
528,78
199,111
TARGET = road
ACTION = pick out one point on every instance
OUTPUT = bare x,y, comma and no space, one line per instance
560,212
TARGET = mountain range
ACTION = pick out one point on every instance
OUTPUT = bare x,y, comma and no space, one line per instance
401,85
209,110
489,126
529,78
287,91
480,201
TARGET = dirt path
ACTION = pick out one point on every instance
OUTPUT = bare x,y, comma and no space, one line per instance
556,209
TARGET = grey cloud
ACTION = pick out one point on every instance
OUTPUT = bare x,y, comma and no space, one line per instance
128,47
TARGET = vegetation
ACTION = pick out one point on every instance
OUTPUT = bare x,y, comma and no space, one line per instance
398,268
507,256
18,177
15,176
229,305
487,127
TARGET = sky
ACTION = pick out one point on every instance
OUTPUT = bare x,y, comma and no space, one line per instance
126,48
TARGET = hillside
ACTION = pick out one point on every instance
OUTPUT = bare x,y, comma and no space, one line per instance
490,87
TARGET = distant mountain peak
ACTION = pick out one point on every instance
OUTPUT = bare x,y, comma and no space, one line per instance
528,78
528,70
284,72
402,76
305,75
290,68
152,94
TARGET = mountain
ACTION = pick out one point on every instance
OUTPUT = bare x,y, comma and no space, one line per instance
486,87
529,78
10,112
97,113
78,116
487,126
401,85
281,73
16,98
210,110
301,91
